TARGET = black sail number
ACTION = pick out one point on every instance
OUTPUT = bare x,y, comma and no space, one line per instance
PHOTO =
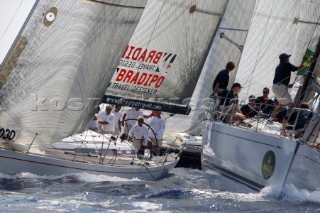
2,131
7,134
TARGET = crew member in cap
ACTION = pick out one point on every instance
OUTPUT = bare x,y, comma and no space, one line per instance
282,79
249,110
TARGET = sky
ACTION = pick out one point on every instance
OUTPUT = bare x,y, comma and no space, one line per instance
12,16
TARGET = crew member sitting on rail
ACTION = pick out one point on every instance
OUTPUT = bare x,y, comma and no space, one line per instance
228,105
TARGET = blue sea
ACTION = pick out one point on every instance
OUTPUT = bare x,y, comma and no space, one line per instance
183,190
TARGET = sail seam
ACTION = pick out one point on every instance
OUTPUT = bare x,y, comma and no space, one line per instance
116,5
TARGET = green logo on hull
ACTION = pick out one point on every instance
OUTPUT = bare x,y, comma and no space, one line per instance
268,164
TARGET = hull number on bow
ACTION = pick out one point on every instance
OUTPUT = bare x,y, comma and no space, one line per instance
7,134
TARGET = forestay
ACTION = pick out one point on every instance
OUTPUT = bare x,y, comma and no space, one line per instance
161,65
61,61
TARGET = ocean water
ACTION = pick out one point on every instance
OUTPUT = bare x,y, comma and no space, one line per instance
183,190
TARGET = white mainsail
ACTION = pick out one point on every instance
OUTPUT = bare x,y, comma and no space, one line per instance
279,26
257,153
63,59
165,56
234,26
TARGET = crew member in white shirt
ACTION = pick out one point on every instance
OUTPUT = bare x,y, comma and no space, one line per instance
157,124
93,122
138,134
117,115
106,120
131,116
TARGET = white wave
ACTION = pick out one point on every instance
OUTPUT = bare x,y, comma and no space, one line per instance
146,206
83,177
291,193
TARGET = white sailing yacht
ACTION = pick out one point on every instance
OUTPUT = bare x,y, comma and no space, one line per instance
246,158
63,60
56,71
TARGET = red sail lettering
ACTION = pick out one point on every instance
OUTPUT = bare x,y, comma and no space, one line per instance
125,51
150,56
146,82
135,78
154,79
142,78
136,53
121,75
160,81
157,58
131,48
143,55
128,76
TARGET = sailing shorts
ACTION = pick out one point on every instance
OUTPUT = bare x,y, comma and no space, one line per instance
282,94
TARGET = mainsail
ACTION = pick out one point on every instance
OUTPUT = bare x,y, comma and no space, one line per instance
277,27
166,54
62,60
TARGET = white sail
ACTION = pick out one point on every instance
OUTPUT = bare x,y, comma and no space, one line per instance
234,26
277,26
62,60
250,154
167,51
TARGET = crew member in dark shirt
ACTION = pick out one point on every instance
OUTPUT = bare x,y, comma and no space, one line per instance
282,78
228,105
264,103
249,110
222,79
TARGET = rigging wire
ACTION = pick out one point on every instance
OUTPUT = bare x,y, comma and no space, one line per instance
277,31
315,27
14,15
257,60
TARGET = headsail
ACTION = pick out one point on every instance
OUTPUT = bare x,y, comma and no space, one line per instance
66,55
227,46
278,26
165,56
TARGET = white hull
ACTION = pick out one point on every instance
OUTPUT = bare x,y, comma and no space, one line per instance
235,156
12,162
